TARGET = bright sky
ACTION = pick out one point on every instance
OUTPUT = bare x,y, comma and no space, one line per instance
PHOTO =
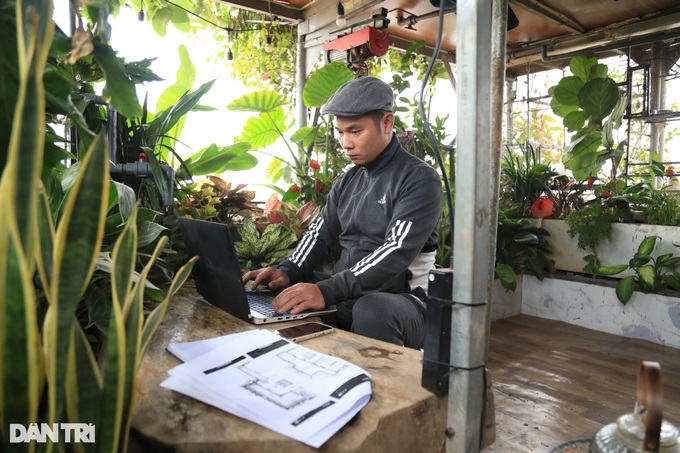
135,40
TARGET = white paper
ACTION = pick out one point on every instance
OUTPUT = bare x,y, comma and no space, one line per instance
278,384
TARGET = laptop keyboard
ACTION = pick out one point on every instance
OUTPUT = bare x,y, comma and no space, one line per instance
262,304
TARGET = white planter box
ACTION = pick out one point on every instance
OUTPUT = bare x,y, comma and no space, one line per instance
626,238
652,317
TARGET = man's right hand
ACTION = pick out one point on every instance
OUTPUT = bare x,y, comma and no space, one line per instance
273,278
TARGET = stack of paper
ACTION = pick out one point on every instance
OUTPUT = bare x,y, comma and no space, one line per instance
278,384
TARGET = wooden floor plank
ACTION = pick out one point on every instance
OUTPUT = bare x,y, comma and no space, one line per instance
554,382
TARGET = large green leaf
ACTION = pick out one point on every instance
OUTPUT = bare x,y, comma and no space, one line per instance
598,97
672,281
625,288
575,120
507,276
560,109
186,76
166,120
214,160
258,101
647,245
611,270
264,130
567,90
324,82
647,278
119,90
581,66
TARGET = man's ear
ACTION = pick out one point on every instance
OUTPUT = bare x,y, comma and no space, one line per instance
388,123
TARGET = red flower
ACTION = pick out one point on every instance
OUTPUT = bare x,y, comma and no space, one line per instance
320,187
295,189
606,194
314,164
265,76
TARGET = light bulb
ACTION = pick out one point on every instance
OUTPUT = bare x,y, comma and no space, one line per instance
230,55
268,47
341,21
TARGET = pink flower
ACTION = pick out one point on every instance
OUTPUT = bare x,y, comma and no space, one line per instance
265,76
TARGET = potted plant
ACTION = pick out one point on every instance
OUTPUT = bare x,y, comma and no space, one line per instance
592,107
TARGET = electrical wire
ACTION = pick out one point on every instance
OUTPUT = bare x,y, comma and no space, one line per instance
228,29
426,124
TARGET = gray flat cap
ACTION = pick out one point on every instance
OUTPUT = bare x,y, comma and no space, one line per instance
360,96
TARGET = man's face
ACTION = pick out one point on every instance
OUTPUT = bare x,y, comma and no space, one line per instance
361,138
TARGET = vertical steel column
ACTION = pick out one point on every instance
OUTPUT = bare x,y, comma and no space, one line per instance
480,41
657,103
301,76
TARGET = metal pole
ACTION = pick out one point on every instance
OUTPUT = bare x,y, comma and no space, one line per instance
301,76
476,217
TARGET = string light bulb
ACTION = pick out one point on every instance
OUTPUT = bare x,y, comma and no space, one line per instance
268,47
230,55
340,21
140,15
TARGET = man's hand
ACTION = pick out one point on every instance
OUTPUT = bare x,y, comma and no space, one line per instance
298,298
269,276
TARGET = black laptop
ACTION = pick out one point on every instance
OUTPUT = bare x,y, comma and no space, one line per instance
218,275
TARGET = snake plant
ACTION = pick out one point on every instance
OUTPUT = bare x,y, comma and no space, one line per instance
48,370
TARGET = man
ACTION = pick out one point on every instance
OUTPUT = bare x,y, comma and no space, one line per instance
384,212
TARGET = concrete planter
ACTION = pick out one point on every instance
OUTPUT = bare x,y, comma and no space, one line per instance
626,238
653,317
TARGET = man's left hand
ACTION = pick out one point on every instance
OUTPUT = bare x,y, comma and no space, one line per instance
298,298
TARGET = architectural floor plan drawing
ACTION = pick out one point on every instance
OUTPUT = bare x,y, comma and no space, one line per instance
288,388
268,383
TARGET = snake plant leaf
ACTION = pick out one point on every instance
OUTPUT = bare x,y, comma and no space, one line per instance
647,245
46,239
581,66
113,383
258,101
78,240
598,97
21,365
647,278
567,90
156,316
20,370
123,259
324,82
611,270
83,380
625,288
